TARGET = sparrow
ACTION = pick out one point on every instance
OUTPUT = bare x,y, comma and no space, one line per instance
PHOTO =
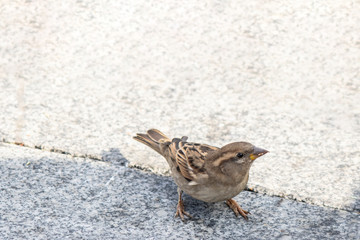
205,172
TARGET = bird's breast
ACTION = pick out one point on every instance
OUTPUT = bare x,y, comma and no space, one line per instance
212,191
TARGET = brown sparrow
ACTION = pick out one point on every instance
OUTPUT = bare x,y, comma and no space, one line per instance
207,173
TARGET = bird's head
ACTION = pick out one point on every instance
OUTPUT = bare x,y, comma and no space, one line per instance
236,158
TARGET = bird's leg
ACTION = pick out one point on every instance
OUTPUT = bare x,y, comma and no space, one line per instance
180,207
236,208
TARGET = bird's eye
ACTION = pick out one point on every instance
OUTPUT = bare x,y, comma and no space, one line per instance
239,155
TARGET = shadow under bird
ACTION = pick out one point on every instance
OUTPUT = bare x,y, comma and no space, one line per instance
205,172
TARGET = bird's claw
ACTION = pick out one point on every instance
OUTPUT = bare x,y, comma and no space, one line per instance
181,212
237,209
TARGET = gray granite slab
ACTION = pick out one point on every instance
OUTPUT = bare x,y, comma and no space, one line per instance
47,195
83,77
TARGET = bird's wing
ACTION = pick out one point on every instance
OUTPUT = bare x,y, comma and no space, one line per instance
190,158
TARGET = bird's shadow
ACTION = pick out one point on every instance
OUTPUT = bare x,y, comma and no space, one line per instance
113,155
202,212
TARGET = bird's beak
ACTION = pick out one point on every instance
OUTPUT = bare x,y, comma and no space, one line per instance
258,152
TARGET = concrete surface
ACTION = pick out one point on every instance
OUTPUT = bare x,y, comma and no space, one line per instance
83,77
47,195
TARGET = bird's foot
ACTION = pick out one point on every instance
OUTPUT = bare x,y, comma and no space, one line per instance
180,211
237,209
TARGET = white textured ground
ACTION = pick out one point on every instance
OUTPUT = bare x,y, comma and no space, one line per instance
83,77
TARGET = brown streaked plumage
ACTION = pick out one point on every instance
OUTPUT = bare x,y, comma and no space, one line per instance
207,173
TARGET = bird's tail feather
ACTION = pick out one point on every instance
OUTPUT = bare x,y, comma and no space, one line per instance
152,138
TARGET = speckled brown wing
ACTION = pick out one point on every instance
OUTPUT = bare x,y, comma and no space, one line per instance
190,158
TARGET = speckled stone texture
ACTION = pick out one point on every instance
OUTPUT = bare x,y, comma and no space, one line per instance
47,195
82,77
